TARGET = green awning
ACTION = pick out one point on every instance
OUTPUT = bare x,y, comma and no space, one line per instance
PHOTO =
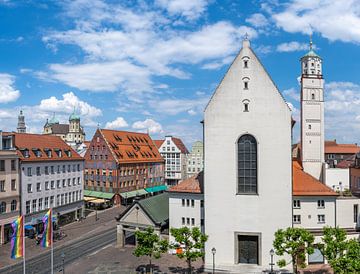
98,194
156,188
131,194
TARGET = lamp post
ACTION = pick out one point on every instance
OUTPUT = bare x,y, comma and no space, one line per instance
63,262
213,251
272,252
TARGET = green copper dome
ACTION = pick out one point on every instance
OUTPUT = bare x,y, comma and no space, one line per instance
53,120
74,116
311,53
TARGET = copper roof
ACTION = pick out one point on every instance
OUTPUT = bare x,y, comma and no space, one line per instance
38,145
129,147
192,185
306,185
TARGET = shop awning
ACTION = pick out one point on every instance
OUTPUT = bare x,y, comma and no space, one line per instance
156,188
99,201
131,194
98,194
89,199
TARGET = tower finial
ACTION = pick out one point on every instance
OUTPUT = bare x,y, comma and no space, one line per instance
311,43
246,36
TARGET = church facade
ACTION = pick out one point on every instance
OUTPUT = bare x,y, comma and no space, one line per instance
72,133
247,128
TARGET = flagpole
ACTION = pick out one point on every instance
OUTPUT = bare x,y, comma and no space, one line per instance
52,243
23,243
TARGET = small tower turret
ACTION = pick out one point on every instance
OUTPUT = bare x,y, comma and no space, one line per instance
21,127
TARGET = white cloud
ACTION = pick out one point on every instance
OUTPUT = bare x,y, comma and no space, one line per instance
292,93
66,105
119,122
148,125
8,93
335,20
257,20
191,9
176,106
292,46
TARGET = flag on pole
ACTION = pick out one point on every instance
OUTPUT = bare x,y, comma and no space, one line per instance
17,238
46,240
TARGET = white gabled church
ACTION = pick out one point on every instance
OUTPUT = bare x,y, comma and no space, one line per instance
247,135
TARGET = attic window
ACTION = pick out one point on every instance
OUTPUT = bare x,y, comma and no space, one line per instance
246,105
313,96
246,85
309,126
26,153
246,63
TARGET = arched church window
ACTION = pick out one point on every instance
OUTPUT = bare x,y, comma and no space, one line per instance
247,164
313,96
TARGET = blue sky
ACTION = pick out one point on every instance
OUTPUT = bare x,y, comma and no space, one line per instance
152,65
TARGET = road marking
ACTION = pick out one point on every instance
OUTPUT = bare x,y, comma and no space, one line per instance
95,252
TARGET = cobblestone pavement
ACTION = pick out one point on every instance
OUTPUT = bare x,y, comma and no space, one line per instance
76,230
111,259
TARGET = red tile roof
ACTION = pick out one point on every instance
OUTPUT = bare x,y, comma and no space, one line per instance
348,162
180,145
158,143
331,147
306,185
129,147
192,185
37,146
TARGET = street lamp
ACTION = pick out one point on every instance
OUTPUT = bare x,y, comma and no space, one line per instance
213,251
63,262
272,252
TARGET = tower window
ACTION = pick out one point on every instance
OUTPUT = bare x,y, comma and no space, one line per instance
246,85
309,126
313,96
312,64
246,107
245,63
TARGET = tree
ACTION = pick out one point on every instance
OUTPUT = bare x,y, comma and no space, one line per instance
149,244
297,242
343,255
192,242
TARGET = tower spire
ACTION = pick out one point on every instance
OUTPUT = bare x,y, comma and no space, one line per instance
311,42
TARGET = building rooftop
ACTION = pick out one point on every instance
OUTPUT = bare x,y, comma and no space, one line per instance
194,184
129,147
331,147
38,147
177,141
306,185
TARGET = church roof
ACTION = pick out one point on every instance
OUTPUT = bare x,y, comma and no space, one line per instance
194,184
306,185
53,120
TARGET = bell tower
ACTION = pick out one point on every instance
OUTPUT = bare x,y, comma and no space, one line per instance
21,128
312,114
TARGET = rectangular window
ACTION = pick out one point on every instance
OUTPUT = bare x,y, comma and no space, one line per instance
52,170
321,204
29,188
13,184
183,202
201,203
46,170
62,199
192,203
46,185
356,213
2,186
78,181
187,202
183,220
58,200
38,187
192,221
248,249
188,221
52,184
40,204
297,219
74,181
52,201
58,184
64,183
296,203
69,182
34,205
27,207
63,168
13,165
29,171
2,165
78,167
58,169
38,171
321,218
46,202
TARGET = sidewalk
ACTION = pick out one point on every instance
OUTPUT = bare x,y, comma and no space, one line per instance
76,230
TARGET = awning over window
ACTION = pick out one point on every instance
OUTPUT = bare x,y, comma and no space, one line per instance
98,194
131,194
156,188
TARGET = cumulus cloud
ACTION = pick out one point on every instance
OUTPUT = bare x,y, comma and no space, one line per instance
292,93
8,93
292,46
148,125
119,122
334,20
176,106
191,9
257,20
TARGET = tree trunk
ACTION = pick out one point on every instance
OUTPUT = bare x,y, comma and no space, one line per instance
295,266
189,266
150,268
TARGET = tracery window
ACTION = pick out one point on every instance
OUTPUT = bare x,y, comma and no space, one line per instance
247,164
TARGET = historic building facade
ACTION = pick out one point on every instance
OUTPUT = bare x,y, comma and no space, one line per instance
72,133
195,159
122,164
247,196
9,187
174,152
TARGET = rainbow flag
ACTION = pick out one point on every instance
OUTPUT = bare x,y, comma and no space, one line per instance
17,238
46,240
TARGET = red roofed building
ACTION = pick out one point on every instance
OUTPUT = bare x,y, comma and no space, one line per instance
186,203
335,153
174,152
51,175
122,162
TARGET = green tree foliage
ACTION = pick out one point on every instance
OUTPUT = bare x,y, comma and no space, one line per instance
297,242
149,244
192,242
343,255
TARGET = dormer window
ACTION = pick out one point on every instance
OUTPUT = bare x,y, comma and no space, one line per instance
26,153
49,153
